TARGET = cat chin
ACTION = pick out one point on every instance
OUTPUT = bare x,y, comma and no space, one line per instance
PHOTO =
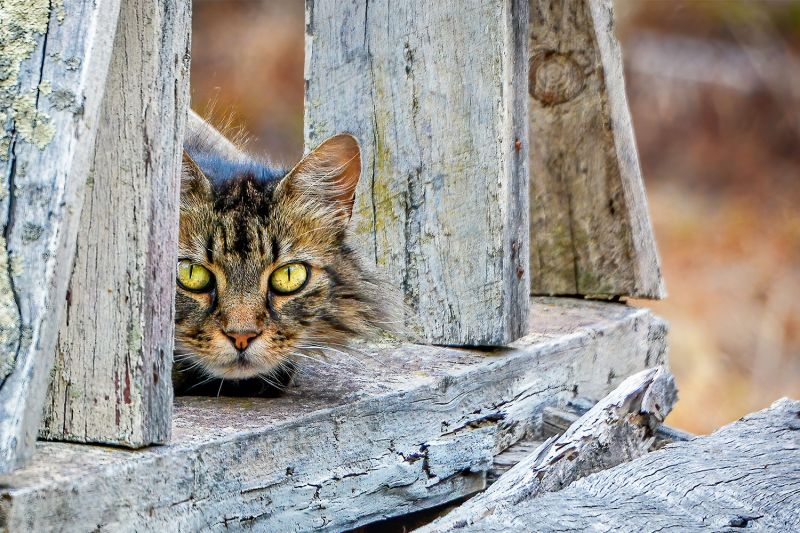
241,370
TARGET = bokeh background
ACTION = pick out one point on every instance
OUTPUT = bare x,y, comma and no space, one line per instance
714,89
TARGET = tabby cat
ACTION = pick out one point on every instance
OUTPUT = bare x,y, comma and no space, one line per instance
266,275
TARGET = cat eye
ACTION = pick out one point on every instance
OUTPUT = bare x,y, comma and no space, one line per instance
194,277
289,278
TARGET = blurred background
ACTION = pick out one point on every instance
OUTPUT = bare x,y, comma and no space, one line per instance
714,89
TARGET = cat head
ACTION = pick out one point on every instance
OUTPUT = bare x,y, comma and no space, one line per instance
265,272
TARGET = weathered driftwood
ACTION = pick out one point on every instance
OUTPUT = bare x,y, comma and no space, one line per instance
556,420
111,382
436,96
364,437
54,57
619,428
590,228
743,476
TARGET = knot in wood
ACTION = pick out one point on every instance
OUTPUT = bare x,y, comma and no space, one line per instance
554,78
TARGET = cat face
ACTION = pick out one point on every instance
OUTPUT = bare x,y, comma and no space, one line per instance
265,274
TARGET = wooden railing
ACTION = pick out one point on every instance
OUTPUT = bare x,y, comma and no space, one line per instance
499,161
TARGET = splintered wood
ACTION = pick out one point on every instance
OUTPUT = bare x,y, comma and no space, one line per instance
744,475
435,94
112,379
384,432
54,58
590,228
619,428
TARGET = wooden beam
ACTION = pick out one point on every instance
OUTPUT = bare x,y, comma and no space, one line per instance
744,475
590,228
54,57
384,432
111,383
618,428
441,207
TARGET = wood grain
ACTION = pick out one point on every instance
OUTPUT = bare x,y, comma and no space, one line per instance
618,428
744,475
387,431
590,227
111,383
54,57
436,97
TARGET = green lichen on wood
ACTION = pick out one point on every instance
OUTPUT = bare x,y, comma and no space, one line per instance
20,22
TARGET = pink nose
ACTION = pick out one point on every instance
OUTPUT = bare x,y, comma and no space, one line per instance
241,339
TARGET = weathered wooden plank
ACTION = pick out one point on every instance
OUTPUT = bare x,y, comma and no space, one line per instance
620,427
54,58
436,96
590,228
385,432
744,475
111,382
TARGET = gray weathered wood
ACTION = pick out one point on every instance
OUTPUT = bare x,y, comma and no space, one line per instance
620,427
743,476
54,57
111,382
387,431
435,94
590,228
556,420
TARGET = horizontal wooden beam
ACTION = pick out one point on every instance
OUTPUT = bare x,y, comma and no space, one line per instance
386,431
744,475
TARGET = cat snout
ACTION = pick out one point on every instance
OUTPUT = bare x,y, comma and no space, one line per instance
242,339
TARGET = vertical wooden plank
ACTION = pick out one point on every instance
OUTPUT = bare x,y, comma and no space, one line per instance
53,63
435,93
111,382
590,228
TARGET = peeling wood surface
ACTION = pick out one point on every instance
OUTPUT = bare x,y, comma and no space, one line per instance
441,207
112,377
590,227
54,57
619,428
388,431
744,475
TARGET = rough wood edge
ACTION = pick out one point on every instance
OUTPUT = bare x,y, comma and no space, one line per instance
618,428
744,475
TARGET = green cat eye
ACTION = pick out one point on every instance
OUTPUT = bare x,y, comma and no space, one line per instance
194,277
289,278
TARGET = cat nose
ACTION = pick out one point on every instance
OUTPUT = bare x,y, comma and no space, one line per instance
241,339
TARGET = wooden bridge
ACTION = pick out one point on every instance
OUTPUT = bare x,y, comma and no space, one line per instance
500,191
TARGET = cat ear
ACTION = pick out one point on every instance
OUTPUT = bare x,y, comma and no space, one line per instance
193,181
328,174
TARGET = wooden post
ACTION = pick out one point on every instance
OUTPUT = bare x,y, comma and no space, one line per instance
435,93
111,382
53,63
590,228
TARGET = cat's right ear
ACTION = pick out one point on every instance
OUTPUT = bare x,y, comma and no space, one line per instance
194,184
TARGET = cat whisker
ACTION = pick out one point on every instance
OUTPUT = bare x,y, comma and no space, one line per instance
219,391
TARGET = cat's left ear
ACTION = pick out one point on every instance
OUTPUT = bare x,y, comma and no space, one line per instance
328,174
